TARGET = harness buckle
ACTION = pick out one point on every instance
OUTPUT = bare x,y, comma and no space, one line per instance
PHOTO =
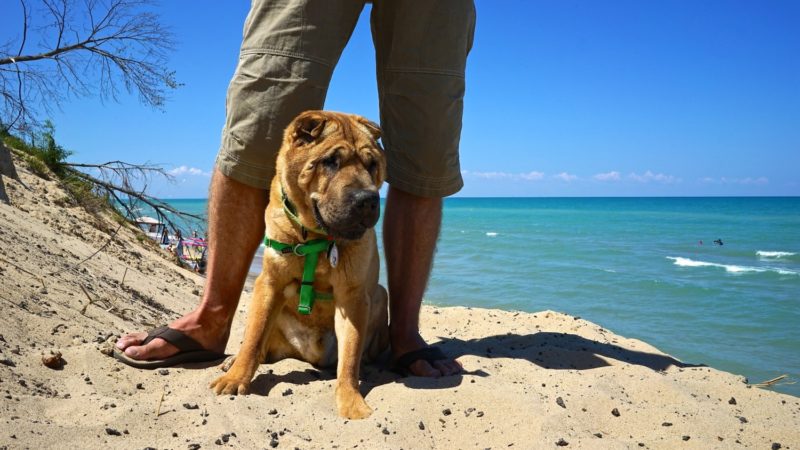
296,249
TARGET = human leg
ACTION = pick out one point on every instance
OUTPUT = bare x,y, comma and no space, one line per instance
421,51
287,57
410,230
235,228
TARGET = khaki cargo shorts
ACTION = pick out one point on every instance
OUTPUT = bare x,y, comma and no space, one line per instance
288,54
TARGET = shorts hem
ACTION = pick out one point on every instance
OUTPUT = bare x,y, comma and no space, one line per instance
430,188
241,172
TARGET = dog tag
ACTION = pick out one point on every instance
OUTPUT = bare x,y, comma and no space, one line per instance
333,255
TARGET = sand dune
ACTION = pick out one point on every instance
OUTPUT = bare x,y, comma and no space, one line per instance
531,380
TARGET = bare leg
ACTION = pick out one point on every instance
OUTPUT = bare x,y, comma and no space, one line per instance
410,231
235,228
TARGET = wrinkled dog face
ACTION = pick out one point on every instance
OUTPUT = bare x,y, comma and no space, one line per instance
333,166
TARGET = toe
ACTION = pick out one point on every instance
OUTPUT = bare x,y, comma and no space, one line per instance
130,339
422,368
156,349
448,367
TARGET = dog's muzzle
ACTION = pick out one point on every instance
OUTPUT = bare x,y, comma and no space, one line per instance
358,212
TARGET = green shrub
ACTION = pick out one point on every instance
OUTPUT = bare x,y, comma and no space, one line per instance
37,166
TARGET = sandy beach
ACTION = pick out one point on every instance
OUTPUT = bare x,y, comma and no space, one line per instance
71,283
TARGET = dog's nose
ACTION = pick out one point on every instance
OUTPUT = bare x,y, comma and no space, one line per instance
367,202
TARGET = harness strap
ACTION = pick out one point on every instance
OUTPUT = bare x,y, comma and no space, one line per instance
310,250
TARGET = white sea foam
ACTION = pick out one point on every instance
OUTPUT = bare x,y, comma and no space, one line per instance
731,268
491,234
773,255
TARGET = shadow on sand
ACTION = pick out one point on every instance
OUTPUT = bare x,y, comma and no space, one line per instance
554,351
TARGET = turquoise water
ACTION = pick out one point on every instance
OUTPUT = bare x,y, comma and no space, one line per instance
636,267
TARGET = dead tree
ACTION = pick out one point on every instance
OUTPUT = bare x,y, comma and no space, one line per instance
83,47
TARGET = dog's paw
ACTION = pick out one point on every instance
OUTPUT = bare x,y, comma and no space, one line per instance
351,405
229,384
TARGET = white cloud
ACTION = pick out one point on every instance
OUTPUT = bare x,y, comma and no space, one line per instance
186,170
532,176
608,176
527,176
758,181
564,176
654,177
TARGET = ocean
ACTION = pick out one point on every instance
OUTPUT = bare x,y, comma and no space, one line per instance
646,268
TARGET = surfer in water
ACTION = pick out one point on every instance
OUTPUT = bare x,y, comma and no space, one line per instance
718,242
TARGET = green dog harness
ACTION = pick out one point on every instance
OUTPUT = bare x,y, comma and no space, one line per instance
310,251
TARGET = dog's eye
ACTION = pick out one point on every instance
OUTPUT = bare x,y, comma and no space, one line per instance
372,166
331,162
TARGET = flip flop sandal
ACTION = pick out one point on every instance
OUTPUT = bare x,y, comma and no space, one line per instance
189,350
429,354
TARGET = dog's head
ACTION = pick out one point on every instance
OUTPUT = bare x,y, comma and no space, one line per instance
331,167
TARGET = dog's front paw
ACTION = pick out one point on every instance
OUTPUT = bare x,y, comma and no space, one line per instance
230,384
351,404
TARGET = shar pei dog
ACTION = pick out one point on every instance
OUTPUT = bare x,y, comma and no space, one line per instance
317,298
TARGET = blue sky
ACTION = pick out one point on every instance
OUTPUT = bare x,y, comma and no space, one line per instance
564,98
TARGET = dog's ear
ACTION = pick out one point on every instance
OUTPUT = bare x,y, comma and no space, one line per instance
370,127
307,127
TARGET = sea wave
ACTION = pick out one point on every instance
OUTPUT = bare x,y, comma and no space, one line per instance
491,234
730,268
773,255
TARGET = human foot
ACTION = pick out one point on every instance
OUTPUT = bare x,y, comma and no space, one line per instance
207,337
411,354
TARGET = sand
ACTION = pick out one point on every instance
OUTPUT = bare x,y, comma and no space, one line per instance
539,380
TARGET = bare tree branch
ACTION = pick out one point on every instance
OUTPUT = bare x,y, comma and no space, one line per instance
88,48
118,180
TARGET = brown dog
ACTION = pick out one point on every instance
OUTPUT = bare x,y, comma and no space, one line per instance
324,194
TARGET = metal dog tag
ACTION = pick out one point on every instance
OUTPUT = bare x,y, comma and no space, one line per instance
333,255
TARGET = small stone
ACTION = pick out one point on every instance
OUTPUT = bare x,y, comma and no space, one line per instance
53,360
273,443
742,419
191,406
560,402
288,392
385,430
174,434
194,446
163,371
685,438
106,348
446,411
479,414
776,446
139,385
113,432
421,425
562,443
599,435
272,412
615,412
666,424
732,401
7,362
